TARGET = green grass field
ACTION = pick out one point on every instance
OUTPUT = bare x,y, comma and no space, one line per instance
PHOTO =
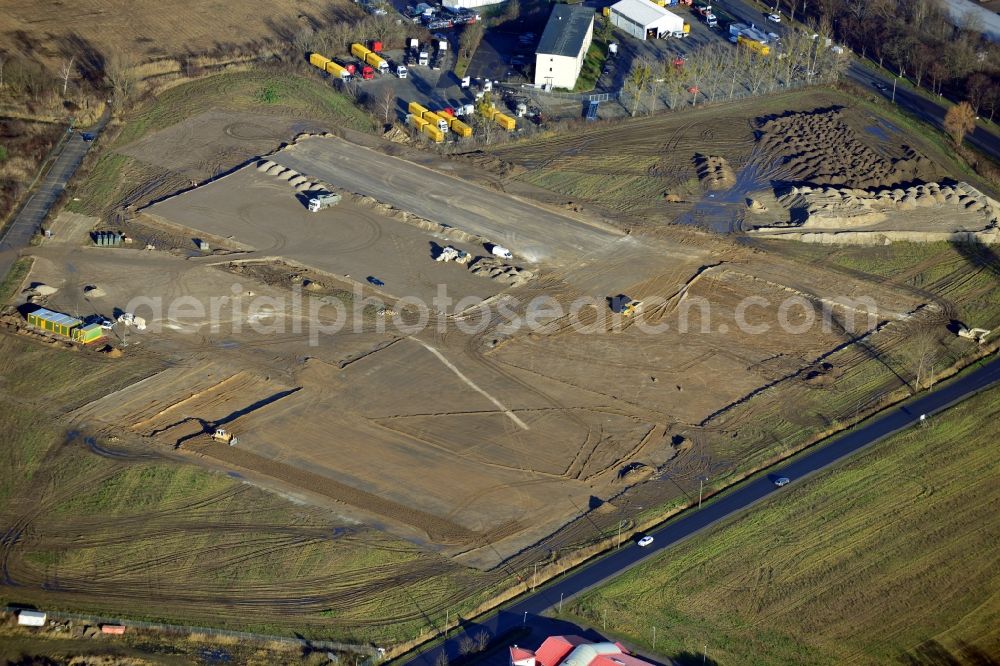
890,556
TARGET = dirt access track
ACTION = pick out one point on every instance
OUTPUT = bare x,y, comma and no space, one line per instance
532,232
483,442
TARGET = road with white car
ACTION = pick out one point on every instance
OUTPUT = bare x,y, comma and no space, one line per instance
525,614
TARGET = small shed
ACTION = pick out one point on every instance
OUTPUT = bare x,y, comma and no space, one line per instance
30,618
54,322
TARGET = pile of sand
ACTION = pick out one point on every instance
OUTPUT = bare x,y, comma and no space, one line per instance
495,269
818,147
297,181
852,207
714,172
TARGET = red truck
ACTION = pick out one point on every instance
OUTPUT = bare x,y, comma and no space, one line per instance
367,73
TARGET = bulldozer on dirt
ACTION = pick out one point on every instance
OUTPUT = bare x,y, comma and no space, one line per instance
224,436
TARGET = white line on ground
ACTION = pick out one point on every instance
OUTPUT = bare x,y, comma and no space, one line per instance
451,366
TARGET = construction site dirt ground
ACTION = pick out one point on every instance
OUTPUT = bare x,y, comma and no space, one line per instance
481,440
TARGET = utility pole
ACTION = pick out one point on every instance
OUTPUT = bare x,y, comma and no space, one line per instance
704,655
447,616
524,621
534,577
701,487
620,523
894,79
605,619
654,639
560,601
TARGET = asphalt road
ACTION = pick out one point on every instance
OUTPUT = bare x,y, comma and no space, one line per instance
916,104
32,214
525,614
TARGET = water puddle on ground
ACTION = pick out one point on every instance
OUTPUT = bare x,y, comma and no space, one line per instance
723,211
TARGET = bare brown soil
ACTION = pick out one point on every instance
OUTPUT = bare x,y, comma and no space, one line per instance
149,30
818,147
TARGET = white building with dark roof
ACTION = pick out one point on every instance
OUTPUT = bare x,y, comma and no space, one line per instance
563,46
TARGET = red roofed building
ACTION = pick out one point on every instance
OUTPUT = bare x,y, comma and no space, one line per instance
574,651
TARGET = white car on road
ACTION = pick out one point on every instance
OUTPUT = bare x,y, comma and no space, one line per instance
774,18
645,541
782,481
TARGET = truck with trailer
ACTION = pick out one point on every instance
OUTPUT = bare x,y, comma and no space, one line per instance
705,11
359,51
753,44
436,120
318,61
378,62
323,200
337,70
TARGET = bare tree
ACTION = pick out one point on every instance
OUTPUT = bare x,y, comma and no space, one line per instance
441,659
466,645
636,83
65,72
482,640
959,121
384,102
119,71
471,36
923,353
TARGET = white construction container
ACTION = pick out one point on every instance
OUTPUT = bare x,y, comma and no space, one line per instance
414,43
466,81
442,45
29,618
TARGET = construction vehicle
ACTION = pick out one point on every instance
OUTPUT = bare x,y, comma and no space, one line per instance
324,200
401,71
224,436
623,305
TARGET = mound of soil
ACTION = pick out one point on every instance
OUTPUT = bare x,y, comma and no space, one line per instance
714,172
819,148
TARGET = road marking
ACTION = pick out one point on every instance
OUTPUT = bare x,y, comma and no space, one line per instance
451,366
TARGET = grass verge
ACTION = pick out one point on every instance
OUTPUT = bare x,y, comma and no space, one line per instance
889,556
14,278
593,64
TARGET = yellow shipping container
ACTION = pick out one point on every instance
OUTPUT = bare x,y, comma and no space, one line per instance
359,51
505,122
417,109
434,133
754,45
375,60
606,11
432,118
417,121
316,60
333,69
459,128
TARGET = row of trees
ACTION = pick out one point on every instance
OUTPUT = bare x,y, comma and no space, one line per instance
720,71
917,39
